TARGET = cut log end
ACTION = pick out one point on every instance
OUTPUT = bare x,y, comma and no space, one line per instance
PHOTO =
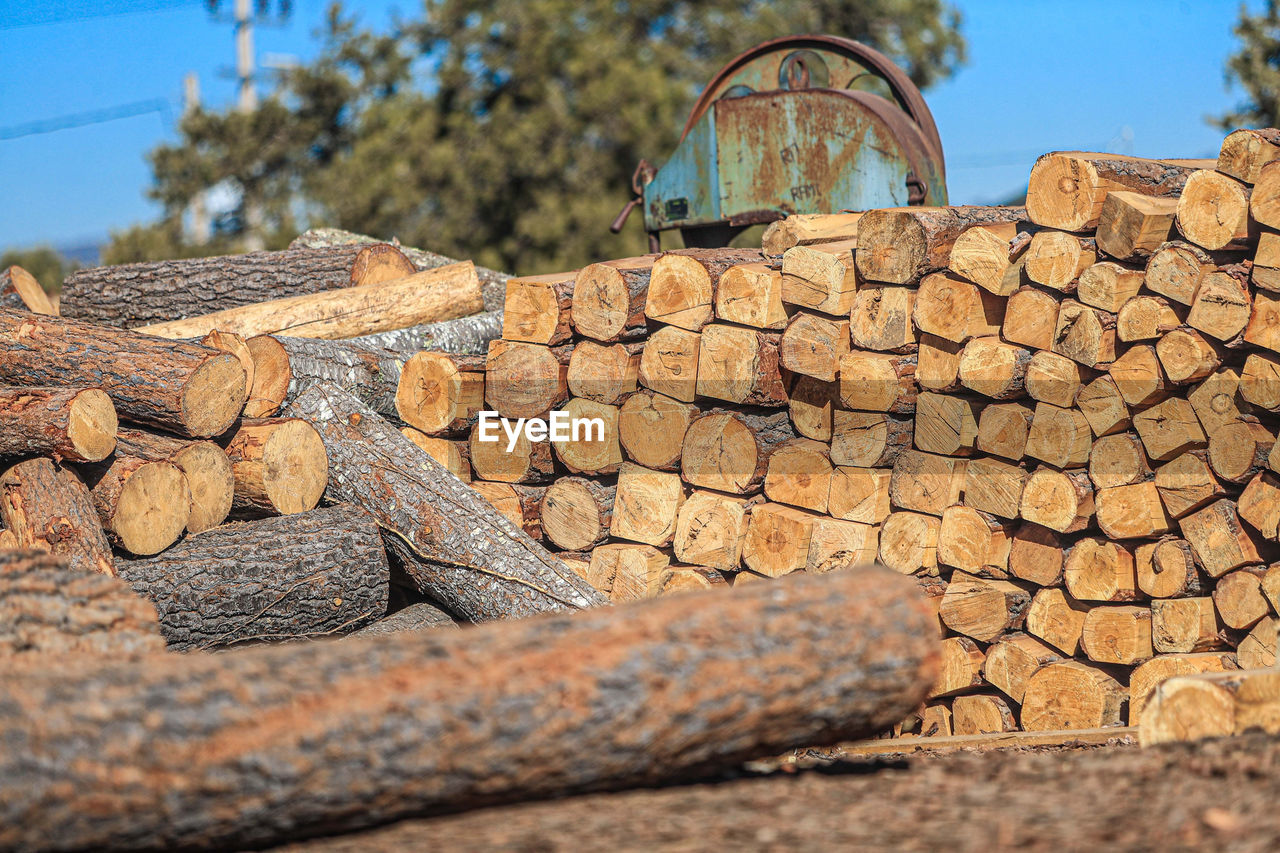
92,425
152,509
214,396
212,483
296,470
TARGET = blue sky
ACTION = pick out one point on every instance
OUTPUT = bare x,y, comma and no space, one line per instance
1120,75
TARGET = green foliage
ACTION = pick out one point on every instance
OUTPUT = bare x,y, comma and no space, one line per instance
506,132
43,262
1257,68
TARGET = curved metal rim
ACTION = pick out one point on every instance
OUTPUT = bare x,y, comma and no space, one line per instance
905,90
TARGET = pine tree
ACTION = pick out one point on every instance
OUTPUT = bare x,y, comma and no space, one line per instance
1257,68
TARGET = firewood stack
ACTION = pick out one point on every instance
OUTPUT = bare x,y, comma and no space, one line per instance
1060,418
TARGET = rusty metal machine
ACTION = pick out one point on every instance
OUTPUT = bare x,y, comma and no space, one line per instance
802,124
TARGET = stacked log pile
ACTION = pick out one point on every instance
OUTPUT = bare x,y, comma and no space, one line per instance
1059,418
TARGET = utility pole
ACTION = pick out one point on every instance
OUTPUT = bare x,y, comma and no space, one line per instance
200,230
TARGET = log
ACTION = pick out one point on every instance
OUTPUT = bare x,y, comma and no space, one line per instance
946,424
710,529
47,508
1059,437
1118,460
1117,635
777,540
527,462
1067,189
679,579
651,429
878,382
1148,318
881,318
1037,554
1100,570
184,388
935,721
75,424
1213,210
1187,484
812,345
608,301
1176,269
807,229
1131,226
909,542
1258,648
956,310
440,393
1210,704
576,513
901,245
538,311
974,542
669,363
868,439
1238,598
751,295
1245,152
1259,504
1260,381
983,609
444,533
1059,500
1085,334
1030,318
1222,305
1169,429
682,285
982,714
1166,569
20,290
525,380
1107,285
422,616
445,293
1003,429
1187,356
159,291
278,464
1055,259
1263,318
1056,618
1103,407
799,474
1217,538
811,403
1012,661
859,494
521,505
1139,376
209,474
1148,676
1132,512
990,256
836,545
627,571
729,451
284,367
603,374
926,482
843,686
647,505
465,335
1264,203
740,365
1217,400
1185,625
1053,378
993,368
313,574
144,506
597,450
492,281
48,608
995,487
455,456
960,669
1072,695
938,364
820,277
1238,451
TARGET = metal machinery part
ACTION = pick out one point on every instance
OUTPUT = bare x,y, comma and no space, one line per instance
802,124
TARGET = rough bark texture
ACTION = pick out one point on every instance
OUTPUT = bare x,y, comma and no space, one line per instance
48,508
77,424
159,291
19,289
308,575
492,282
454,545
371,374
465,336
183,388
323,738
48,607
422,616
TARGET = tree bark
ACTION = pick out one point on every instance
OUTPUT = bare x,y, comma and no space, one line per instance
465,336
422,616
278,464
440,737
46,607
308,575
76,424
160,291
187,389
1067,189
453,544
20,290
48,508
